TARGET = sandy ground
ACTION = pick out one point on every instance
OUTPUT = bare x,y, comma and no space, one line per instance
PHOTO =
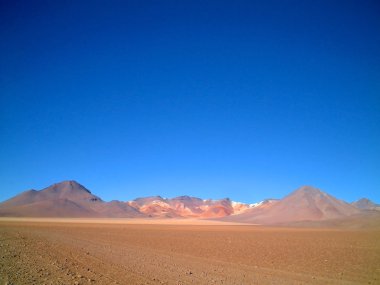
128,221
120,252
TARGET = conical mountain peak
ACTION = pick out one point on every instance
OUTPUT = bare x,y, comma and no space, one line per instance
68,185
70,190
366,204
308,190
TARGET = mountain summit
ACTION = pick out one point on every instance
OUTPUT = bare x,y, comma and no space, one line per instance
309,203
366,204
70,190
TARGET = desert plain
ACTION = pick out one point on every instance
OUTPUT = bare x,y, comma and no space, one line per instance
138,251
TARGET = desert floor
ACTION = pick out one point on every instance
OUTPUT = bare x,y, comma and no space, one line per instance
81,251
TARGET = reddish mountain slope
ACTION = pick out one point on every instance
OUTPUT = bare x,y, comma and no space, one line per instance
65,199
304,204
48,208
184,206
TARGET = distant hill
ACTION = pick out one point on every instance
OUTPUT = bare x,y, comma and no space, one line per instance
366,204
71,199
305,204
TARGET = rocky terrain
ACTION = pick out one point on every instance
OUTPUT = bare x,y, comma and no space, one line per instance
106,253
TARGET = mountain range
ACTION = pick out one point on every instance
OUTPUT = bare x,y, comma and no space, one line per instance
71,199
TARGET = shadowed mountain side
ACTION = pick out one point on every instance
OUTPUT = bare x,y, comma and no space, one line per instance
115,209
187,205
304,204
48,208
69,190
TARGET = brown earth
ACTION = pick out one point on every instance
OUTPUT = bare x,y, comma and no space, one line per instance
103,252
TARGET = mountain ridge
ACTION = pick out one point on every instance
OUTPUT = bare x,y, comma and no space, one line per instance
71,199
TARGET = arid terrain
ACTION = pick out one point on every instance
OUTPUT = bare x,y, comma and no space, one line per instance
104,251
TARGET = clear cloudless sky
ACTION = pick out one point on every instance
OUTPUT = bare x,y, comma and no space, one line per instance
240,99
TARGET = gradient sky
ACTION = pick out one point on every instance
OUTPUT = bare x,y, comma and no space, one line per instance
240,99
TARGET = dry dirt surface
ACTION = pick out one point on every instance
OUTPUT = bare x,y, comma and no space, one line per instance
48,252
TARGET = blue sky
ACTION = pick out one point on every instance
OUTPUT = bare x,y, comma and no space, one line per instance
240,99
